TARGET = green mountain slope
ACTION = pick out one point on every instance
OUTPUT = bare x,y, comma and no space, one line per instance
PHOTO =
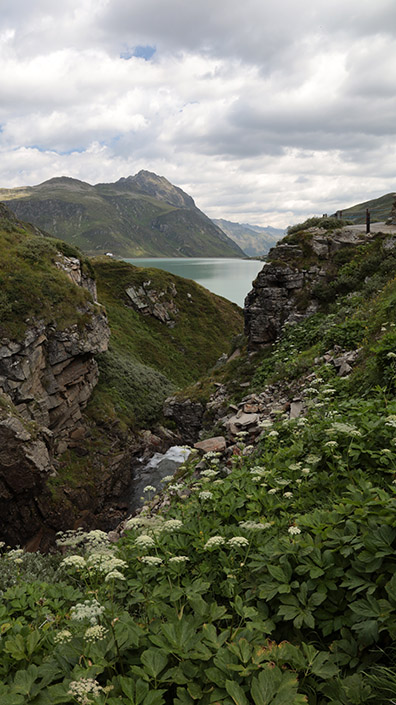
379,208
150,356
253,239
139,216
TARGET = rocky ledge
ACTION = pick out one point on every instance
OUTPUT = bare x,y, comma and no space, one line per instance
46,380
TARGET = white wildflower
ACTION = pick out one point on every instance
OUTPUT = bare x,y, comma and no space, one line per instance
105,562
214,542
15,554
305,471
114,575
265,423
167,478
209,473
95,633
294,530
312,459
288,495
331,444
82,689
149,488
90,610
295,466
205,495
239,541
273,490
151,560
254,525
144,541
171,525
63,636
179,559
273,434
176,487
218,482
77,562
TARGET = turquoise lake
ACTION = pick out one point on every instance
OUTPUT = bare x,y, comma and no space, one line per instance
231,278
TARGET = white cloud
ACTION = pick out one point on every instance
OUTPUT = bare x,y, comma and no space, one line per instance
262,111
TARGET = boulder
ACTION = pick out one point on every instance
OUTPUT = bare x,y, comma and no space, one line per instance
217,444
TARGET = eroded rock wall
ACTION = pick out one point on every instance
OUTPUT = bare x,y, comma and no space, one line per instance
277,295
45,382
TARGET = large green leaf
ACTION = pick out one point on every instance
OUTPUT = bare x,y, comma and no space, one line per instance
154,661
236,692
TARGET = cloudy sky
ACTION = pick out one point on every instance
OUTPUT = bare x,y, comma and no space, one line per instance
265,111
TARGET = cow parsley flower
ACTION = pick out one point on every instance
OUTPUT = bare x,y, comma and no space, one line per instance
77,562
273,490
176,487
167,478
238,541
90,610
209,473
214,542
63,636
288,495
205,495
95,633
151,560
171,525
114,575
294,530
149,488
144,541
179,559
82,689
254,525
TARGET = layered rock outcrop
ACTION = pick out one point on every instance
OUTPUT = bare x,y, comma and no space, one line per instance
46,380
282,291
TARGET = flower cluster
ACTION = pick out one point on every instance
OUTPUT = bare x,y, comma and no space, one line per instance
90,610
95,633
238,541
254,525
74,561
294,530
63,636
214,542
144,541
114,575
151,560
205,495
178,559
83,688
171,525
105,562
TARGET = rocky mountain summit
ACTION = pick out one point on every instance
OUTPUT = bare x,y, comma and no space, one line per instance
138,216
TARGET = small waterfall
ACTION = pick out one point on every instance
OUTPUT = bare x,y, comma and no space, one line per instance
152,473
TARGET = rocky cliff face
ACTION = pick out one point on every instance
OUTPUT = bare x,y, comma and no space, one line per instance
46,380
282,291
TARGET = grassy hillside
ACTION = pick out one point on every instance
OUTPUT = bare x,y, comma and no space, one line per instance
379,208
139,216
146,358
31,285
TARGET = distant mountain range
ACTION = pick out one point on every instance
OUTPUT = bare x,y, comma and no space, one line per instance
380,209
253,239
138,216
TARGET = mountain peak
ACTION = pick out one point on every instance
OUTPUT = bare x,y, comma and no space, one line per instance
150,184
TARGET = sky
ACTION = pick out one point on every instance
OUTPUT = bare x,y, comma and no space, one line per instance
264,111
